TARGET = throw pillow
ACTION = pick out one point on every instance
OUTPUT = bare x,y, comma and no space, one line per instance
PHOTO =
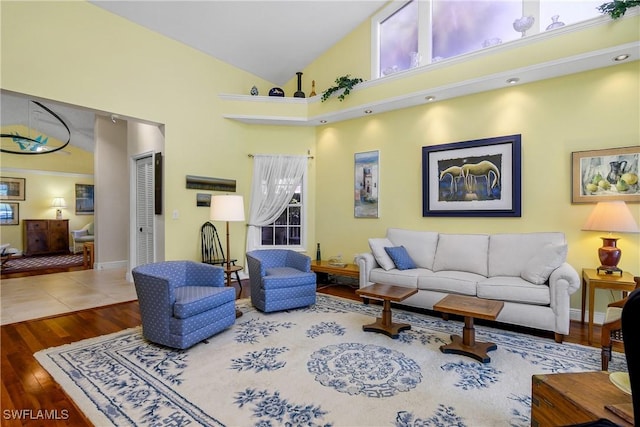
540,267
400,257
377,248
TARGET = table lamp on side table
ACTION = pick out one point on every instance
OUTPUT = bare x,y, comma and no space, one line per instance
612,216
228,208
59,203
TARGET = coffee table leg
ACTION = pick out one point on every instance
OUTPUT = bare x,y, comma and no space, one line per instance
466,344
385,324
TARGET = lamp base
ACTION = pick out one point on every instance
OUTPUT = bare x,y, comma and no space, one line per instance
609,270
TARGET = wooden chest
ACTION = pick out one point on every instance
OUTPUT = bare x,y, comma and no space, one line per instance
46,236
565,399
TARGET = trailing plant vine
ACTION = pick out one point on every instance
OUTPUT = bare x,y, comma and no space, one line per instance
617,8
345,82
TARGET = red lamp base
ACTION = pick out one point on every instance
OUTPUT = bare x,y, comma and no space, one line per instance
609,256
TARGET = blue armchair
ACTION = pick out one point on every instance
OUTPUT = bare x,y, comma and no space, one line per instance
183,302
280,279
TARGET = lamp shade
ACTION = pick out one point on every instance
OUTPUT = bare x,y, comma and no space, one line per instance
227,208
59,202
611,216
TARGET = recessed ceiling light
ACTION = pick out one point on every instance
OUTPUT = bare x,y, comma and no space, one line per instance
323,121
621,57
513,80
430,98
368,111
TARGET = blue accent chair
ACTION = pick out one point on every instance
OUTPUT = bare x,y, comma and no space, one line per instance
280,279
183,302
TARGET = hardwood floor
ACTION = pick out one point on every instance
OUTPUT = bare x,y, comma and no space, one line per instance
27,388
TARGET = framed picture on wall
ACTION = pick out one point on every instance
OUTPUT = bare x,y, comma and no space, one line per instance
12,188
9,213
84,199
367,184
472,178
602,175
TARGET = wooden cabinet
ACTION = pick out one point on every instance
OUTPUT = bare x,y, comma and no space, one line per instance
574,398
46,236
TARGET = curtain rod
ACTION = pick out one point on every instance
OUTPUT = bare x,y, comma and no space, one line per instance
253,155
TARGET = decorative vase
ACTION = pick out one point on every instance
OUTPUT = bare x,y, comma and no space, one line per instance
254,91
313,88
554,23
276,91
318,255
523,24
299,93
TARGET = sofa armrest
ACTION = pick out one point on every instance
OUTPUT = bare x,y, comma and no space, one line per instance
565,277
366,262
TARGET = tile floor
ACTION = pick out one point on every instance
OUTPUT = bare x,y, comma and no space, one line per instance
33,297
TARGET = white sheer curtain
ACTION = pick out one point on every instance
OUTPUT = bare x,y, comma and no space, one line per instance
275,179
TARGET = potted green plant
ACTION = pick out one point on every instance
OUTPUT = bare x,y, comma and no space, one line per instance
345,82
617,8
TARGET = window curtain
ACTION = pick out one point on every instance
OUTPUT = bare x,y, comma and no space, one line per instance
275,179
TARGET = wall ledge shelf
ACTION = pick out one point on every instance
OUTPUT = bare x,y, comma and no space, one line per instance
547,55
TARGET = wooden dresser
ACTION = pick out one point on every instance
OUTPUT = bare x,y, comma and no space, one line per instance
46,236
566,399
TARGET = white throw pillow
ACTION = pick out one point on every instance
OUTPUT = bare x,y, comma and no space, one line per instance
382,258
540,267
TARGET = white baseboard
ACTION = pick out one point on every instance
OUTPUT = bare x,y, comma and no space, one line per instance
113,265
598,316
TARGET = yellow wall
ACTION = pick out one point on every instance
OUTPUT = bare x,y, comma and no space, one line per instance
150,78
47,176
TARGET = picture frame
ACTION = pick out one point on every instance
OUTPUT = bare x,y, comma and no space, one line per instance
366,184
203,200
605,175
12,188
476,178
9,213
84,199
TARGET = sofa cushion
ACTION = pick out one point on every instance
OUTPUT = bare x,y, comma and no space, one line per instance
462,252
420,245
455,282
382,258
400,257
513,289
510,252
540,267
408,278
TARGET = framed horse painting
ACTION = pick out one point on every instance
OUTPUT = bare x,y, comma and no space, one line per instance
472,178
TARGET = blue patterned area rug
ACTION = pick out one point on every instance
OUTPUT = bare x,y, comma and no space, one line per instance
312,367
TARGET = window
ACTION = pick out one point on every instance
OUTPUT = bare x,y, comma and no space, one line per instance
287,230
407,34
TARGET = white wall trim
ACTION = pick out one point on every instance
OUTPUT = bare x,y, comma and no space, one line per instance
44,172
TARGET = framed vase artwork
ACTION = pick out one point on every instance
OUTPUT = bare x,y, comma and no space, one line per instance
366,184
603,175
472,178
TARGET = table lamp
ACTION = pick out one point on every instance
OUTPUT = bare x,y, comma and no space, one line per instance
59,203
613,216
227,208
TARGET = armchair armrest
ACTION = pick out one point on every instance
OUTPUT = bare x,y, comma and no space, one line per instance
79,233
299,261
201,274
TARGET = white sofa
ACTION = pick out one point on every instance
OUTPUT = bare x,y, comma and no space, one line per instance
527,271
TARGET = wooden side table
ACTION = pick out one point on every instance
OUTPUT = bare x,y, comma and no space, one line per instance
233,269
573,398
88,254
323,267
591,280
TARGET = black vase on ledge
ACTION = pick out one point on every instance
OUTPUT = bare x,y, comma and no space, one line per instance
299,93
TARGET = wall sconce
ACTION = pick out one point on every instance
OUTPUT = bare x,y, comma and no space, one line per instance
611,216
59,203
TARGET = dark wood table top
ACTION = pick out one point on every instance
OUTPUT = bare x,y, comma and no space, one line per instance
464,305
387,292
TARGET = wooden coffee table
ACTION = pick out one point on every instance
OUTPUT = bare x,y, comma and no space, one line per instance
470,308
386,293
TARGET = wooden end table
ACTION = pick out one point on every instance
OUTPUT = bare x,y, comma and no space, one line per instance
386,293
233,269
470,308
591,281
323,267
